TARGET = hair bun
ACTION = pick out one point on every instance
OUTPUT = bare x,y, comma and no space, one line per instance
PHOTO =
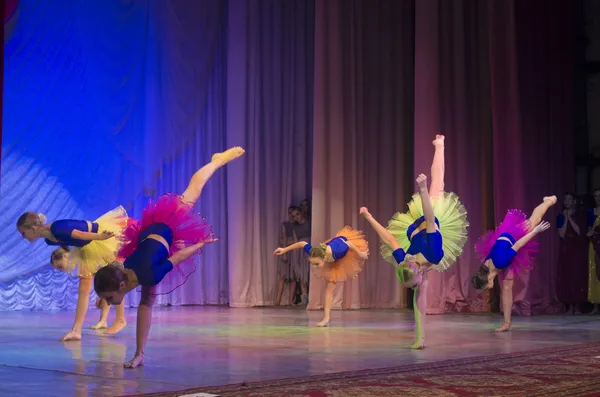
42,218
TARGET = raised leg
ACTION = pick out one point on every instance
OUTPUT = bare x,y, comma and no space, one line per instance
436,188
328,303
384,234
144,320
85,287
201,177
538,213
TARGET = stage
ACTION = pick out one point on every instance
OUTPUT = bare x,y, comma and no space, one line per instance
204,346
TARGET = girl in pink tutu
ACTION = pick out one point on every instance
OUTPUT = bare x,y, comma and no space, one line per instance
508,250
166,237
336,260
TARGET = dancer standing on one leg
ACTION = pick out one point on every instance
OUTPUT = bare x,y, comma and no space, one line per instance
168,234
94,245
509,250
430,235
336,260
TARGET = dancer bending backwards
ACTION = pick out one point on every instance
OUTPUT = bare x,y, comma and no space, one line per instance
508,250
168,234
431,234
336,260
94,246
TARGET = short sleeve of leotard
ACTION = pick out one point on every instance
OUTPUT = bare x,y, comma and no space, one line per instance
307,249
62,229
399,255
560,221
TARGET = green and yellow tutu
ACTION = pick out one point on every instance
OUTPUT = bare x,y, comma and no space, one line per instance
99,253
452,217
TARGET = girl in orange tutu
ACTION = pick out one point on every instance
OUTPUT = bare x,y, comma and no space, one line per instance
336,260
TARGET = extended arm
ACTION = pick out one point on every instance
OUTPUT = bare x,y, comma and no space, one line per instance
360,253
187,252
88,236
295,246
384,234
525,239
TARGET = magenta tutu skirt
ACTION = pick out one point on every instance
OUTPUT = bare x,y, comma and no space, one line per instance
515,224
188,229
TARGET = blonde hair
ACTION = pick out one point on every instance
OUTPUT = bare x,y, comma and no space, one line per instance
58,254
318,251
31,219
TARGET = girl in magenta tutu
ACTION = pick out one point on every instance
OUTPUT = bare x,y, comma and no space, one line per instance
508,250
168,234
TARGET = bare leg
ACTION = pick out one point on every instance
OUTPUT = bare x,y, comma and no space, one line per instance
436,188
144,320
292,292
384,234
199,179
538,213
104,310
280,287
328,303
507,304
420,308
85,287
120,322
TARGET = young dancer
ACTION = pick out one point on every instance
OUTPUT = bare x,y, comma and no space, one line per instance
508,250
336,260
168,234
85,247
431,234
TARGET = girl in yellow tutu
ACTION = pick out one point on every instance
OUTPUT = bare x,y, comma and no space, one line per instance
85,247
431,234
336,260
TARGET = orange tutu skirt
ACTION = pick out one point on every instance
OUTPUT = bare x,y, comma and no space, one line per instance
350,265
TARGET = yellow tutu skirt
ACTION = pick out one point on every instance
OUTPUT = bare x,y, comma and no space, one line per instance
452,216
99,253
350,265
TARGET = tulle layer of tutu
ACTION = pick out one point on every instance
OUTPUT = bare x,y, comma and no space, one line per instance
453,224
516,224
351,264
99,253
187,226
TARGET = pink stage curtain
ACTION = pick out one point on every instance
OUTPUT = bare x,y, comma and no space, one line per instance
362,133
494,77
269,112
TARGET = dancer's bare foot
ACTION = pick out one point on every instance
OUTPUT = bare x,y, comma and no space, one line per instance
228,155
418,345
100,325
439,140
323,323
116,327
506,327
136,361
70,336
550,199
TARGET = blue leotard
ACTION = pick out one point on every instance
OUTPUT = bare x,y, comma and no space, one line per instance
62,230
338,245
502,252
427,244
150,259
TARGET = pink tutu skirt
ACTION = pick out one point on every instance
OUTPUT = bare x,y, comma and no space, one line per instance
515,223
187,226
